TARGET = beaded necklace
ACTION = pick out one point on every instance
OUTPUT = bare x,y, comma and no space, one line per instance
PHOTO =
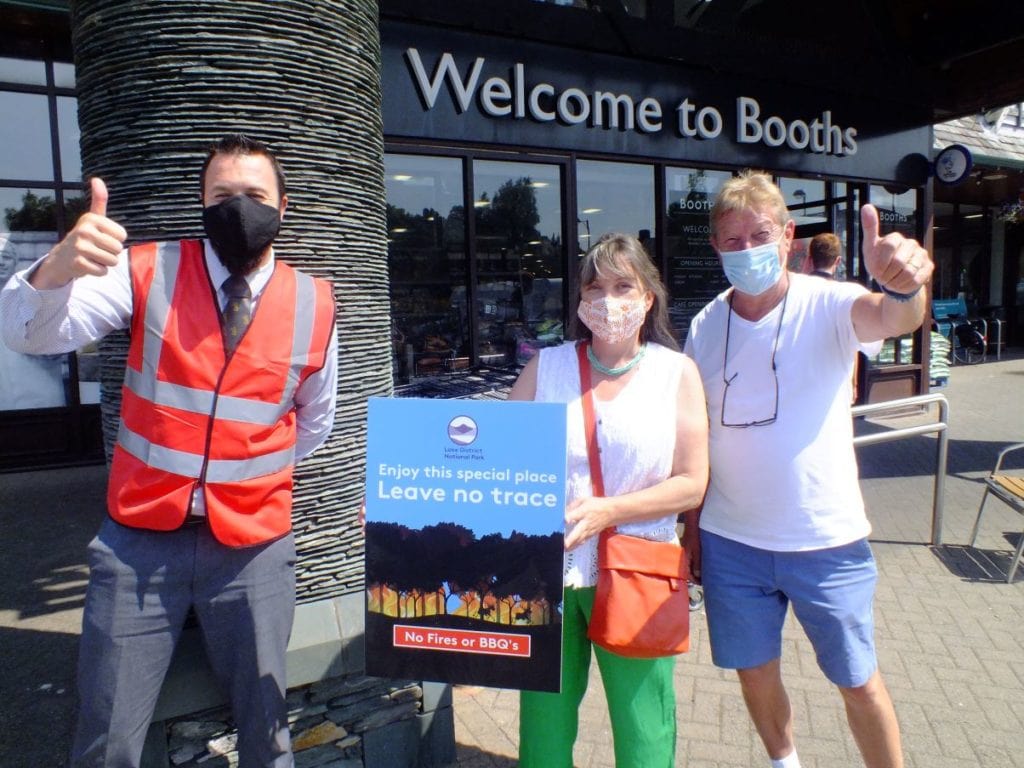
598,365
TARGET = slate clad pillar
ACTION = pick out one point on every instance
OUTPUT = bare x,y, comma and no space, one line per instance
157,83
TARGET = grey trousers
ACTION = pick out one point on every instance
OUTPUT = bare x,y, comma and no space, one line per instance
141,585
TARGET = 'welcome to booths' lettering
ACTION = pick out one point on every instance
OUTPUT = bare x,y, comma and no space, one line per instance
513,97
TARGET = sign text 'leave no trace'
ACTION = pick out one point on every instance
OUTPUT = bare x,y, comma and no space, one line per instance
397,482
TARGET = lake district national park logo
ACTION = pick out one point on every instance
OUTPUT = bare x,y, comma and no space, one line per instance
462,430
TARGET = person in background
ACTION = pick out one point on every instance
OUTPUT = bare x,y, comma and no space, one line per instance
231,378
823,255
652,432
783,522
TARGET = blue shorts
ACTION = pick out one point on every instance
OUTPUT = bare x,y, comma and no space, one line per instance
747,591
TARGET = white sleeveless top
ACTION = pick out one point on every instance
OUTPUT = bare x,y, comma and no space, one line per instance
636,432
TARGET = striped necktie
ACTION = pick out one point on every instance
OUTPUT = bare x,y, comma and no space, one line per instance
237,312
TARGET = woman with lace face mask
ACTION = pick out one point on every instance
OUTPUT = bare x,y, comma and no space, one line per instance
652,433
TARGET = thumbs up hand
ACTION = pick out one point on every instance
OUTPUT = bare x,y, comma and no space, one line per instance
896,262
90,248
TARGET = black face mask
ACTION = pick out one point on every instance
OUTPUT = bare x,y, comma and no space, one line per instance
240,230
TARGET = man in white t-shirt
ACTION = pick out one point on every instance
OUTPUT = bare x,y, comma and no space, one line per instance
783,520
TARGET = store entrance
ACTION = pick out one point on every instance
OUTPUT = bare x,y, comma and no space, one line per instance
484,246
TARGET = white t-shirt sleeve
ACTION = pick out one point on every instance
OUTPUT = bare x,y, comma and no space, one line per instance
844,296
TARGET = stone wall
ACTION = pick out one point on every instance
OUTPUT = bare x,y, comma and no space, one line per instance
350,722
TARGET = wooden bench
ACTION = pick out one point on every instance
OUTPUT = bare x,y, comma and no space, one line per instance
1009,489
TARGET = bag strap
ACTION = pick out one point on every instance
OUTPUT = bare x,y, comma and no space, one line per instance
589,422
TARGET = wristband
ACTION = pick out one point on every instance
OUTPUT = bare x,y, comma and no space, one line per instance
900,297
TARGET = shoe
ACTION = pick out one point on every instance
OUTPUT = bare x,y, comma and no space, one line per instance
696,596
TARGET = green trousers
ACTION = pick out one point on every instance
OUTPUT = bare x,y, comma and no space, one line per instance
640,693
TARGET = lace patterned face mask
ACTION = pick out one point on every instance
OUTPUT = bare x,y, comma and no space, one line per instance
612,319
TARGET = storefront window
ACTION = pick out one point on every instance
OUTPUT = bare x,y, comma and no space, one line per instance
844,207
975,260
22,71
427,259
447,317
614,197
68,133
520,259
694,274
27,231
962,242
24,136
63,75
944,238
807,201
897,210
35,210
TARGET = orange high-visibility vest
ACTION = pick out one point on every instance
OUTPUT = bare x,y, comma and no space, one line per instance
192,416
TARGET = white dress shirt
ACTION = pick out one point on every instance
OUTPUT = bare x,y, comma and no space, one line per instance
64,319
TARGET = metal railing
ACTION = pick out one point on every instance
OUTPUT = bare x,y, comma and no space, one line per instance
942,450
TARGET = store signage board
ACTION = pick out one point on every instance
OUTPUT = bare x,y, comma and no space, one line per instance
465,503
456,86
512,96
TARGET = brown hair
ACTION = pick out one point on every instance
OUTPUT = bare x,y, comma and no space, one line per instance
240,144
825,250
623,255
750,190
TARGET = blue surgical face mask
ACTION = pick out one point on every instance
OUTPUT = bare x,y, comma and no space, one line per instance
753,270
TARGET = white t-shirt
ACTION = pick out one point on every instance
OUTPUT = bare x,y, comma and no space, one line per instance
790,485
636,432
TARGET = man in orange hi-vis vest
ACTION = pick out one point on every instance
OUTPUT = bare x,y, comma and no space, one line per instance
231,378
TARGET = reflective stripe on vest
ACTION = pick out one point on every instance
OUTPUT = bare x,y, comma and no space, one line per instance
145,384
191,464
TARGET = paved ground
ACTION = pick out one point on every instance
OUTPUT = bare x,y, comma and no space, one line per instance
46,521
951,632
